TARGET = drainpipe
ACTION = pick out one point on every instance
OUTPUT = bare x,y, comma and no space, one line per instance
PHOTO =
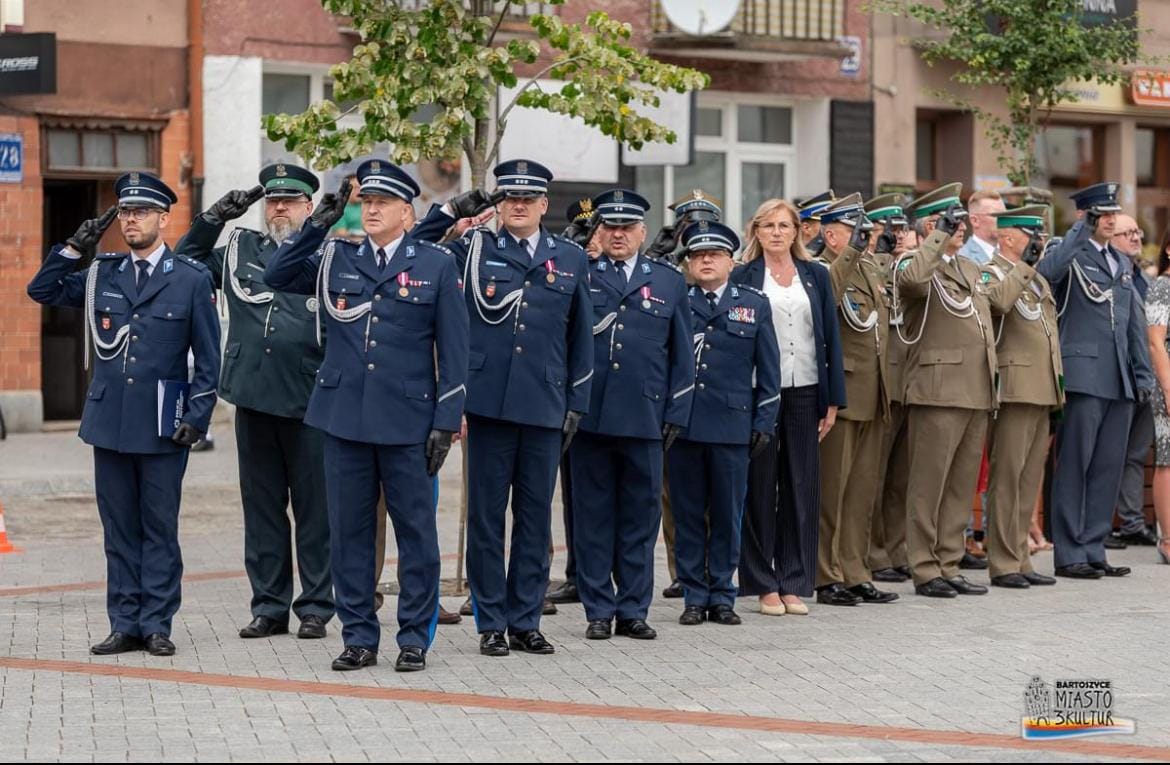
195,99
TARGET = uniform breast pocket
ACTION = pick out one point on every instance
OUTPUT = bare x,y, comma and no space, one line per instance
599,297
109,316
654,322
741,330
559,286
415,309
489,274
169,322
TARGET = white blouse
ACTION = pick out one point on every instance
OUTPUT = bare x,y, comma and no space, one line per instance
793,320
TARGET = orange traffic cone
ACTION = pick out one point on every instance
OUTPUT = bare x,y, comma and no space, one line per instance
5,545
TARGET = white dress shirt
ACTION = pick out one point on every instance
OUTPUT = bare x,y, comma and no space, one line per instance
154,257
389,249
793,320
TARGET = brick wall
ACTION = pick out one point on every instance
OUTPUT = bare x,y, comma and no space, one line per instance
175,168
20,257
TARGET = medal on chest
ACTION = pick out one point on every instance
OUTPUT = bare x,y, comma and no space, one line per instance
403,278
548,266
646,296
106,321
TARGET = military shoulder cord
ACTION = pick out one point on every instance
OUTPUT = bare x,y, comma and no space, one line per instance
506,305
1091,290
346,315
120,343
230,263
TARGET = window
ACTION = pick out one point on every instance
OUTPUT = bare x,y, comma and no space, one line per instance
287,93
744,154
925,130
1070,155
102,151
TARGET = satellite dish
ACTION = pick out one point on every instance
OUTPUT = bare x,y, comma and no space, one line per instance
701,17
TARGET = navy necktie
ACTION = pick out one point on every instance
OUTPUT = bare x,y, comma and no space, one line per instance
143,274
382,259
620,266
712,300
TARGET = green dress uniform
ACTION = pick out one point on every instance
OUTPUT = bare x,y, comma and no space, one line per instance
270,364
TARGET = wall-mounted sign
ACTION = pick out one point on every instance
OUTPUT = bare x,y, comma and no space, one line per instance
28,64
1147,88
851,64
11,158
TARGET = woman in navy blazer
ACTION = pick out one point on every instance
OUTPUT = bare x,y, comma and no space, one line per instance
779,551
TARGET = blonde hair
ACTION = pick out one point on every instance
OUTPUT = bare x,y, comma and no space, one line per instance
753,250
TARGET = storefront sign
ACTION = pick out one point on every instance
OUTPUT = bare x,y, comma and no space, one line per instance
28,64
11,157
1148,88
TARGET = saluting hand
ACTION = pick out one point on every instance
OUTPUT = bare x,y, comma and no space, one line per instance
233,204
90,233
331,207
886,242
951,219
859,239
472,203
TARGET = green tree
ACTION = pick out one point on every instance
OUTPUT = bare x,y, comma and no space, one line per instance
444,54
1032,50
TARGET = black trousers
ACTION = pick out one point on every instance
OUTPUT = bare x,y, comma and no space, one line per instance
567,514
778,552
282,458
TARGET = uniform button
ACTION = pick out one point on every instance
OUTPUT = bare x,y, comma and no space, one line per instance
415,299
527,284
135,316
134,338
133,360
275,308
129,380
268,350
617,365
373,343
378,296
621,326
370,367
519,349
374,320
524,304
702,386
521,327
618,346
703,366
710,328
707,346
169,314
271,329
621,308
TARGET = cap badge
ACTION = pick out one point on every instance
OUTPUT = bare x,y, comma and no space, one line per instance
522,167
135,179
376,166
618,196
703,225
697,193
587,205
280,171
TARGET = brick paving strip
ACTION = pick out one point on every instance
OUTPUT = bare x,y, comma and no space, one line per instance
1087,748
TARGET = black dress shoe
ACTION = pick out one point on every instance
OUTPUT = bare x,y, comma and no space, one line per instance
549,608
1115,542
466,609
1037,579
936,588
1108,570
1011,581
723,614
262,627
158,644
411,659
960,585
492,643
312,627
870,594
892,575
971,563
905,571
354,657
1079,571
675,590
565,592
530,641
637,629
692,616
836,595
117,642
1144,538
598,629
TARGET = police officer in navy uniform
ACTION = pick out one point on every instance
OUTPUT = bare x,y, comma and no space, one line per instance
736,400
389,397
530,366
143,311
810,210
269,367
643,385
1106,370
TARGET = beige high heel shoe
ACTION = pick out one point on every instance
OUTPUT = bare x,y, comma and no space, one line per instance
771,610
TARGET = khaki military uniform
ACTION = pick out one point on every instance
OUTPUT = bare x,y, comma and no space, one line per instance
887,542
949,392
1029,388
851,451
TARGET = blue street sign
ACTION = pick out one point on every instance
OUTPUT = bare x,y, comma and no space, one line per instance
11,157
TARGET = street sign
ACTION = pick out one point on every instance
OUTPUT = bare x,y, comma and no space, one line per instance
851,64
11,157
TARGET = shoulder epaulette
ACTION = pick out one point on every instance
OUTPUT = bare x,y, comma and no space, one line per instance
751,289
821,262
195,264
109,256
568,241
994,270
665,264
434,246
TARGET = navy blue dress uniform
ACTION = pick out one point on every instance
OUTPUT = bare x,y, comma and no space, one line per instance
140,321
395,369
270,364
737,393
1106,369
644,378
531,362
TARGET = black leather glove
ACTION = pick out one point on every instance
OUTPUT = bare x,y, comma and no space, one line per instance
665,242
1144,395
1033,250
438,444
886,242
859,239
759,444
232,205
950,220
569,429
669,433
186,435
331,207
472,203
90,233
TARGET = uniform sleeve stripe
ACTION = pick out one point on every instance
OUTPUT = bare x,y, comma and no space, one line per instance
584,379
684,391
201,395
452,392
767,401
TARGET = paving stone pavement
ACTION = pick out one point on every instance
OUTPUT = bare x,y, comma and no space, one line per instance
841,684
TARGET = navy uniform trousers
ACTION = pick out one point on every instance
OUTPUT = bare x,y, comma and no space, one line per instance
624,474
707,532
1090,460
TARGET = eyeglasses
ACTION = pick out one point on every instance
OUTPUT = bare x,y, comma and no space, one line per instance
135,213
1133,233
